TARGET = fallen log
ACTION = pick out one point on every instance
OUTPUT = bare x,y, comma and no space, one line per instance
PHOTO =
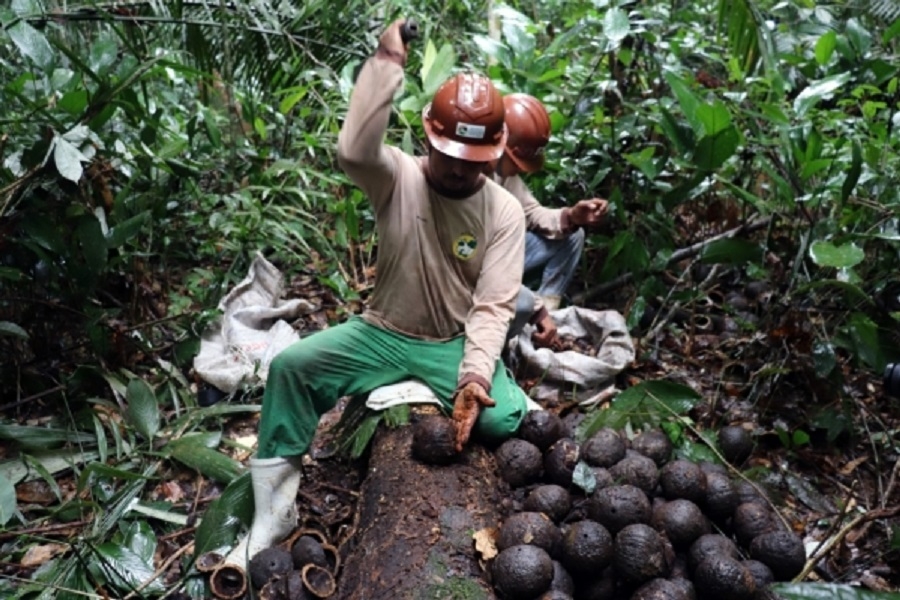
416,524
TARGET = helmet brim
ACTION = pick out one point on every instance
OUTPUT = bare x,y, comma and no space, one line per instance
470,152
527,165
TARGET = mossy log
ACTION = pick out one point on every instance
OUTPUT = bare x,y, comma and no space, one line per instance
416,524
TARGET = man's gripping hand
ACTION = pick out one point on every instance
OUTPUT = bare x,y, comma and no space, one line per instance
391,44
588,213
467,405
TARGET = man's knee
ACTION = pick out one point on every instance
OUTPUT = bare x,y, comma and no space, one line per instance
576,241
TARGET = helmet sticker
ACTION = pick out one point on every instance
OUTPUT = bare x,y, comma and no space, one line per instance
465,246
471,131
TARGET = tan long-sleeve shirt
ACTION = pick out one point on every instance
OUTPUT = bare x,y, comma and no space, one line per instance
551,223
445,267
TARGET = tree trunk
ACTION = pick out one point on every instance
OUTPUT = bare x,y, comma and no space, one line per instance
415,538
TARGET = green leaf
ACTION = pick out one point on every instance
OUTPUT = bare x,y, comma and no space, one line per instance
864,333
826,254
92,242
583,476
616,26
140,538
436,67
143,409
44,233
42,437
853,172
731,251
225,516
714,117
68,159
125,569
646,404
687,100
814,92
193,452
31,43
824,358
74,102
103,54
712,151
825,47
127,229
9,328
97,470
828,591
679,134
7,500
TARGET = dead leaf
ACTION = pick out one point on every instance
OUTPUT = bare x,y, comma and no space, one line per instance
484,542
38,555
35,492
171,491
851,466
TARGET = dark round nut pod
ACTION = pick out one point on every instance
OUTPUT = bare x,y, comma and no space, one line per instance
736,444
721,497
520,462
681,521
683,479
551,499
637,470
269,563
560,461
722,577
712,467
523,571
750,520
587,547
641,554
781,551
533,528
654,444
308,550
661,589
434,440
618,506
709,546
562,582
747,492
762,574
603,449
603,587
541,428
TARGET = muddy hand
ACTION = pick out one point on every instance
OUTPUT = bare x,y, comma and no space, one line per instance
589,212
466,407
545,334
395,38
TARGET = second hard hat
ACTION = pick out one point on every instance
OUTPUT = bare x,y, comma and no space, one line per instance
529,131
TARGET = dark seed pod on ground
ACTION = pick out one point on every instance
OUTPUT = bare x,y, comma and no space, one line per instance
712,467
781,551
680,567
683,479
294,588
434,440
709,546
750,520
602,478
654,444
603,587
551,499
562,581
542,428
681,521
603,449
762,574
640,554
306,550
269,563
687,588
736,444
533,528
587,547
522,572
637,470
560,461
618,506
660,589
571,422
721,577
520,462
747,492
721,497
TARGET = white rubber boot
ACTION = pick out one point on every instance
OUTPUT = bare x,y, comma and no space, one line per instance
275,485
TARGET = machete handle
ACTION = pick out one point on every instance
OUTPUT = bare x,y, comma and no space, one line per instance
409,31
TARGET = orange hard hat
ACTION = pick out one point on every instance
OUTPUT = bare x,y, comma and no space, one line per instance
529,131
465,119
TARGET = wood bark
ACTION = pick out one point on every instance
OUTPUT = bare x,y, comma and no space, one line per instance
416,524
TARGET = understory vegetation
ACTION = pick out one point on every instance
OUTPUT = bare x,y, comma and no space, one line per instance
149,150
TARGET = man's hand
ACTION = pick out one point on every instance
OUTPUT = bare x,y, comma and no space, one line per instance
588,213
391,41
466,407
545,335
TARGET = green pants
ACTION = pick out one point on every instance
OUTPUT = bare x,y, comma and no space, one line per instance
307,379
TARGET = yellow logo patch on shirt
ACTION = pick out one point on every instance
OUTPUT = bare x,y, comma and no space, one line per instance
465,246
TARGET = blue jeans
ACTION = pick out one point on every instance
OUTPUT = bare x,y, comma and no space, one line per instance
558,260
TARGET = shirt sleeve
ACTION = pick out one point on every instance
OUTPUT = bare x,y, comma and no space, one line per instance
362,153
547,222
494,306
